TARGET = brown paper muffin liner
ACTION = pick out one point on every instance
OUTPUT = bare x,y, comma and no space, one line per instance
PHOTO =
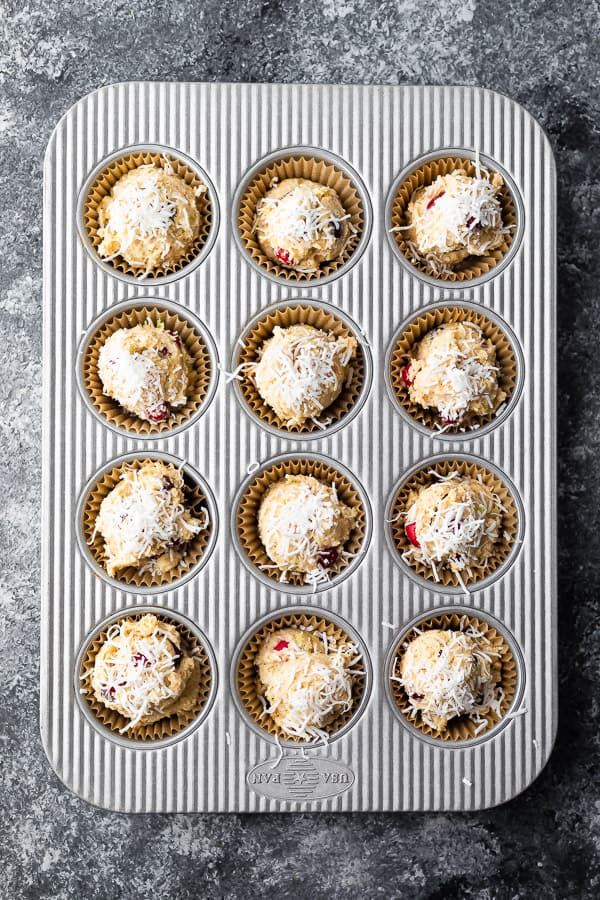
199,374
199,686
247,515
249,684
403,352
194,501
508,529
297,314
313,169
423,176
504,671
103,186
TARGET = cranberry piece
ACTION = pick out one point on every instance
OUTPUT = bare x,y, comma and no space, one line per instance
417,697
164,351
285,257
177,339
167,483
107,692
141,660
336,229
405,375
433,199
328,557
158,413
177,656
411,533
281,645
447,420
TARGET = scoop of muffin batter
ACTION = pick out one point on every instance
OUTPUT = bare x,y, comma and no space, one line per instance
454,523
454,371
447,674
301,224
302,370
150,219
455,217
303,525
307,680
144,672
145,369
143,520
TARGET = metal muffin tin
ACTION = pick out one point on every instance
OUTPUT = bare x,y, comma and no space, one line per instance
378,132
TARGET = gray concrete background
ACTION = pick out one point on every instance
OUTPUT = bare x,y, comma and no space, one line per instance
546,843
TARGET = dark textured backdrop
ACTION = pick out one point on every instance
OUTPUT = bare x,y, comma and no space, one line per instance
546,843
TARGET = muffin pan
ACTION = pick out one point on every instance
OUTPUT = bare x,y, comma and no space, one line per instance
372,138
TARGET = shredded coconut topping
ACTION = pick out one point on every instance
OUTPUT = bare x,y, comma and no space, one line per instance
456,681
313,688
303,217
456,212
136,378
148,517
133,671
142,210
302,525
458,373
305,364
455,526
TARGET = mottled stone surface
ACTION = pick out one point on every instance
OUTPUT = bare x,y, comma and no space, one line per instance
546,843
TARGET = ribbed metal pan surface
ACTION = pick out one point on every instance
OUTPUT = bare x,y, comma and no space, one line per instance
377,764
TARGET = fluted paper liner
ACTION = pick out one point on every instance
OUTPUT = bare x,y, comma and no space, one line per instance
504,672
249,504
313,169
103,186
199,685
508,527
297,314
194,500
199,371
403,351
423,176
248,680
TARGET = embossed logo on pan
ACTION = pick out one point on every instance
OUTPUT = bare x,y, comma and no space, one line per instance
300,778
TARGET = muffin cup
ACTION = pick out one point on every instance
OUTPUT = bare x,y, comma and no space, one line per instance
474,269
509,358
245,681
320,315
197,552
508,673
315,165
197,342
165,731
511,531
100,184
244,520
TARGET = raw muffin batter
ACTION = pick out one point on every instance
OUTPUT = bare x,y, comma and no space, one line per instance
307,680
144,522
447,674
301,224
145,369
454,523
150,219
454,371
455,217
302,370
304,526
143,671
